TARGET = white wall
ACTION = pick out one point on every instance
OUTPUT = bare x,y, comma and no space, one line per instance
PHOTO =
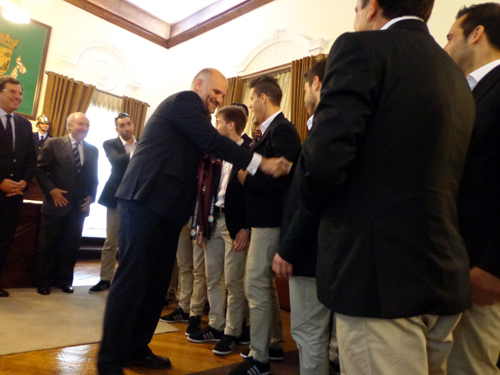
87,48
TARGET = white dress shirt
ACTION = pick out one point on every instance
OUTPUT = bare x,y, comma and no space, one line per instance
397,19
224,180
41,136
310,122
480,73
129,148
80,148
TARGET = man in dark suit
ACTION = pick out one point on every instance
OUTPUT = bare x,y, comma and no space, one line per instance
40,136
156,198
118,151
67,175
474,44
382,166
296,262
17,162
226,250
264,210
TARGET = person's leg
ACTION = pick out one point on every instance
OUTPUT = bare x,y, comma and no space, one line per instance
410,346
47,249
476,342
9,214
309,324
148,245
185,263
108,254
199,296
259,284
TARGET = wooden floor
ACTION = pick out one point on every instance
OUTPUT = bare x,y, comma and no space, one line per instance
186,357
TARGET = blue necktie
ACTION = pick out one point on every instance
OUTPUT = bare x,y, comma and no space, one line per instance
8,133
76,155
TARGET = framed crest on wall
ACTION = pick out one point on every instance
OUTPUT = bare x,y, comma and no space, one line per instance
23,50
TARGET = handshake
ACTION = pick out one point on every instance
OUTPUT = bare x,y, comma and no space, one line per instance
276,167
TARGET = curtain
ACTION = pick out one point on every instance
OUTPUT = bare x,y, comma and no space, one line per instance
64,96
137,111
234,89
299,113
285,82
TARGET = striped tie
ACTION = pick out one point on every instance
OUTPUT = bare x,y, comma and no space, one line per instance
76,155
8,133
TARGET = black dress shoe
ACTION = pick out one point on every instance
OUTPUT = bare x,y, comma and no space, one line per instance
4,293
67,289
43,290
151,361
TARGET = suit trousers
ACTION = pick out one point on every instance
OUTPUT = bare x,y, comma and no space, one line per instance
109,250
148,244
192,281
310,326
476,342
58,245
265,315
9,215
418,345
225,268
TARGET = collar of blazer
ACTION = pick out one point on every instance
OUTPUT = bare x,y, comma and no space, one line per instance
69,148
410,24
277,119
486,84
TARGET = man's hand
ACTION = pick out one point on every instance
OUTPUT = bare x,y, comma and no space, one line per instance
276,167
241,240
485,287
282,268
199,239
11,187
242,175
58,197
86,205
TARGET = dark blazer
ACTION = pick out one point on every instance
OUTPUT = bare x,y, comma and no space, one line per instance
246,138
382,166
234,201
479,200
56,169
117,156
264,194
21,163
38,144
162,173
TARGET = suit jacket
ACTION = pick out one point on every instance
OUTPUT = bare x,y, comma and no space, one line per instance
56,169
479,200
265,193
38,144
21,163
163,170
119,159
234,200
382,166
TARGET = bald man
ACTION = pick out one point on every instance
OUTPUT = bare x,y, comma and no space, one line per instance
155,199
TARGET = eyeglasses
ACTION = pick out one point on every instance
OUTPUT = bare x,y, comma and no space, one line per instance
13,92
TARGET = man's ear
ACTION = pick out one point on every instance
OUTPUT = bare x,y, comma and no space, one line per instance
316,86
263,98
231,125
198,85
476,35
373,9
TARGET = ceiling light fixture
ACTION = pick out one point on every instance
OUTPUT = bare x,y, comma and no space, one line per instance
13,12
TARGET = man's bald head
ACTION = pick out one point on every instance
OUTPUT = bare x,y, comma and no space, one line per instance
211,86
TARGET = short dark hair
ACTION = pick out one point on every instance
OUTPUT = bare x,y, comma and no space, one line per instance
242,106
121,115
268,85
399,8
486,15
235,114
5,80
318,69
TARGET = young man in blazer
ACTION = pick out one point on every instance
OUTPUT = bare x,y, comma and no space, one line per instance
264,210
118,151
382,167
156,198
17,162
67,175
226,250
40,136
474,44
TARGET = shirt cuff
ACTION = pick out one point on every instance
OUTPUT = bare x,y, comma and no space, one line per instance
254,164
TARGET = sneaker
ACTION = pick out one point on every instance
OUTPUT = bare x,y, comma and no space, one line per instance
334,368
100,286
245,335
194,325
226,345
206,335
251,367
176,316
274,354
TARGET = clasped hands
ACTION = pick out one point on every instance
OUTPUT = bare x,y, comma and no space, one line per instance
275,167
11,187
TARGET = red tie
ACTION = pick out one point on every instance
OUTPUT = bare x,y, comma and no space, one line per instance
8,133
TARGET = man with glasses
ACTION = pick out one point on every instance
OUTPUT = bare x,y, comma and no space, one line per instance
118,151
17,161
